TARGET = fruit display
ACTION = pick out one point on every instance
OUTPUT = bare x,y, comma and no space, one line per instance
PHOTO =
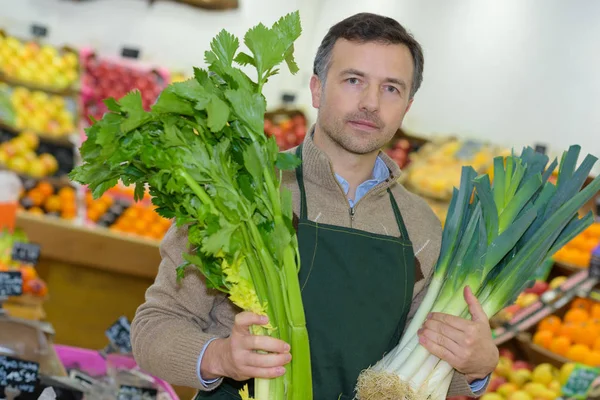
103,79
288,128
39,64
519,380
436,168
528,297
578,252
43,198
35,110
32,284
139,220
399,151
574,336
27,155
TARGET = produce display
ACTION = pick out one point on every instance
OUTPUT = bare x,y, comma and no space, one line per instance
42,65
103,79
518,380
522,214
578,252
32,284
43,198
48,114
25,155
436,168
288,129
216,172
575,336
529,296
399,152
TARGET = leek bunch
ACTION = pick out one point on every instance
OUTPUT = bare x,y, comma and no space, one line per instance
495,237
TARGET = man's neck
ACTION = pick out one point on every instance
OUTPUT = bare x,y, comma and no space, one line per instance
354,168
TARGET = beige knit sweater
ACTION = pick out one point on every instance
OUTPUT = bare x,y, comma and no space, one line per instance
171,327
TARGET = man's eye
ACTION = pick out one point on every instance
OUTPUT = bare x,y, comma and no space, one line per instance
352,81
391,89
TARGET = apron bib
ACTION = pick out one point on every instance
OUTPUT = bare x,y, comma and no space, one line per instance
357,290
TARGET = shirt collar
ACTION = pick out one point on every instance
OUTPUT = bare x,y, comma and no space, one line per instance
380,173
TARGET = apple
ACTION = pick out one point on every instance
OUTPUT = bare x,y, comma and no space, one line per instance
538,288
504,367
556,282
520,395
492,396
504,352
495,383
520,364
519,377
507,389
543,374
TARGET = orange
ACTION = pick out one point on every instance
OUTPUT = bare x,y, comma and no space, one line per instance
93,214
592,358
36,197
53,204
28,273
596,346
576,315
586,334
89,199
578,352
66,193
141,227
560,345
580,302
551,323
106,200
132,212
543,338
36,211
156,231
568,329
45,188
595,311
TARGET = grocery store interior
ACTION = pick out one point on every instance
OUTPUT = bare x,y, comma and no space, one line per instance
498,76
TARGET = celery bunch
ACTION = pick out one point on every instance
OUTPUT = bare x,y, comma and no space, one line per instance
495,237
203,154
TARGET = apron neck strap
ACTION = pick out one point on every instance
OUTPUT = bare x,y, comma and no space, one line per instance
398,215
300,180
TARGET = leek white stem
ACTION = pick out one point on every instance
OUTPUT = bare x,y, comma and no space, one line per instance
423,310
421,378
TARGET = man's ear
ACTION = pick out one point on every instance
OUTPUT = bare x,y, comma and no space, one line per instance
409,105
315,90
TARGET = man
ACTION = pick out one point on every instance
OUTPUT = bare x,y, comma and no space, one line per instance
367,245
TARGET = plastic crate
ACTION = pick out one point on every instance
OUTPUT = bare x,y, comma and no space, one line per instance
92,363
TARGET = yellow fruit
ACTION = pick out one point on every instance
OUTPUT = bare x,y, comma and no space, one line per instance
555,386
18,164
491,396
520,395
31,139
534,389
556,282
36,169
543,374
565,372
520,377
506,389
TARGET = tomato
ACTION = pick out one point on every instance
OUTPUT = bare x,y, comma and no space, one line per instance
36,287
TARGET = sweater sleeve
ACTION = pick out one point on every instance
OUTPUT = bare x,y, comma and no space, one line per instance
168,331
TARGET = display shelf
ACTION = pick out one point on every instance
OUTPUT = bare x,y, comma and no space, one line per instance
72,92
94,247
64,141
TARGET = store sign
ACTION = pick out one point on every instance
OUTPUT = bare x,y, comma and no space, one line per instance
38,30
580,381
28,253
18,374
120,336
127,392
11,283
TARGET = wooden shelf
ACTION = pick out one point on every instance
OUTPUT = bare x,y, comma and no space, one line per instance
94,247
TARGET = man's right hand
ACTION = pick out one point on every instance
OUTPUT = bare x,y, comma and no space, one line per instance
237,356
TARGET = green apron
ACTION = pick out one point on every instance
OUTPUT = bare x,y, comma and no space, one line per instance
357,290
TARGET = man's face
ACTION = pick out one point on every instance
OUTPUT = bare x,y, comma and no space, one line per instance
366,94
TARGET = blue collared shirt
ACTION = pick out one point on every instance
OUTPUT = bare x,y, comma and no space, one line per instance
380,174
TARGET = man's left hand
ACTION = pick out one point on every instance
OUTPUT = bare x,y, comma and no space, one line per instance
466,345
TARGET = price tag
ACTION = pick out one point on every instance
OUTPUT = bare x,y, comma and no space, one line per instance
580,381
127,392
28,253
11,283
119,335
540,148
18,374
130,52
38,30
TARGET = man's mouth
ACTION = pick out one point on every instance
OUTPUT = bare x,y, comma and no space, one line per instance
364,124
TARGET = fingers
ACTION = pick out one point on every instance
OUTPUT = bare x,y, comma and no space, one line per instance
268,360
265,343
245,319
438,350
264,373
457,323
475,308
449,334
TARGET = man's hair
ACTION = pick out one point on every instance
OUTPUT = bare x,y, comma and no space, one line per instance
364,28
